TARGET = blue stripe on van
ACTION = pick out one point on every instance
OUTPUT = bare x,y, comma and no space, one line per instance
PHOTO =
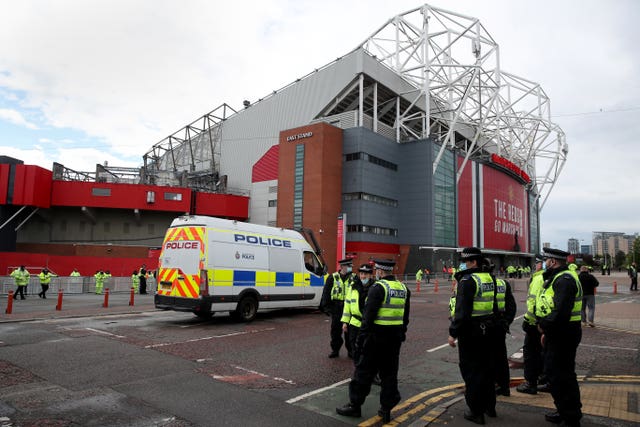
244,278
284,279
316,280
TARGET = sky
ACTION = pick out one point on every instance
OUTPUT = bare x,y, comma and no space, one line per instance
88,81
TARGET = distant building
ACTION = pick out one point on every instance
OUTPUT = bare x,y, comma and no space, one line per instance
546,245
573,246
586,249
609,243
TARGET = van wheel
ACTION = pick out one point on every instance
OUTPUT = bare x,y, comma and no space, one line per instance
247,309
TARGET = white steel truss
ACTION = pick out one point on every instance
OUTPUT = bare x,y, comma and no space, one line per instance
468,102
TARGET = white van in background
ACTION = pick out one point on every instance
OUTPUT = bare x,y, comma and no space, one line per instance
211,265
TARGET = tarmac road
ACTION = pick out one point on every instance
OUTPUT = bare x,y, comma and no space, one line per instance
123,365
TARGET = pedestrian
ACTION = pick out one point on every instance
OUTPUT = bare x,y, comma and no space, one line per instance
142,273
633,273
419,274
384,326
45,279
21,277
75,273
335,290
505,311
471,326
559,304
589,284
135,281
99,276
532,349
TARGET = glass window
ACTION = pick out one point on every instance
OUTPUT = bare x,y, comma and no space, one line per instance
273,203
102,192
173,196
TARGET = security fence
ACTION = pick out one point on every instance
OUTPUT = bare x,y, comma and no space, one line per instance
73,285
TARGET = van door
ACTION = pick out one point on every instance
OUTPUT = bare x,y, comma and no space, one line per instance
180,262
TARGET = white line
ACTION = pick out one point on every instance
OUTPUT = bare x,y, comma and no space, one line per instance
104,332
251,371
431,350
234,334
440,347
320,390
606,347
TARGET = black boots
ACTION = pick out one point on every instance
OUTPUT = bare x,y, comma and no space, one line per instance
385,414
527,388
474,418
349,410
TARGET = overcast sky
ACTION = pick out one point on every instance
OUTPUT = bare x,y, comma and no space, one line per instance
83,82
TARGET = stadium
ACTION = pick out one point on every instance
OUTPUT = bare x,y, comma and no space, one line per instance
410,146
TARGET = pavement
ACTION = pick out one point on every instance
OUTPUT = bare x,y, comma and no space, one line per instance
607,400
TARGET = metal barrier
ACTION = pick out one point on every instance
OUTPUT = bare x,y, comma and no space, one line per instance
73,285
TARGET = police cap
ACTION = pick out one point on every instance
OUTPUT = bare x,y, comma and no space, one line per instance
469,254
365,268
555,253
539,258
384,264
345,262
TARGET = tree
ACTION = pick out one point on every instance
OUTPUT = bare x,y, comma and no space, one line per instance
634,255
620,259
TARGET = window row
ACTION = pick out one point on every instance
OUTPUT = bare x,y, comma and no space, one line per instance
371,159
370,198
372,229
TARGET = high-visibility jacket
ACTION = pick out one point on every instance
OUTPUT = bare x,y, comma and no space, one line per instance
391,312
501,292
135,281
452,300
351,314
340,288
535,286
45,279
484,295
545,304
74,274
21,276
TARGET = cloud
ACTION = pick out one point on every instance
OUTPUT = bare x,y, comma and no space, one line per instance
16,117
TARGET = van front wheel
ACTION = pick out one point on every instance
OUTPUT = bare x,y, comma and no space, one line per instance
247,309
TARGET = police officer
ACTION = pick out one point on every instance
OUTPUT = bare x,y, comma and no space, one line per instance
471,325
532,349
332,303
45,279
21,276
505,311
384,326
354,306
559,304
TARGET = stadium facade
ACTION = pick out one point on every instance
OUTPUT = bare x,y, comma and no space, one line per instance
410,146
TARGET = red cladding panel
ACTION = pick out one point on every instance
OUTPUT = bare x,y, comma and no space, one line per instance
505,211
222,205
121,196
4,183
465,205
32,186
266,169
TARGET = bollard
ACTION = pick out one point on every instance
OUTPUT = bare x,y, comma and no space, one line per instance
59,305
9,303
435,288
615,287
106,298
131,297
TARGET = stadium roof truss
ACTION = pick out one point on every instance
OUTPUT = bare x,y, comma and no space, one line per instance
454,64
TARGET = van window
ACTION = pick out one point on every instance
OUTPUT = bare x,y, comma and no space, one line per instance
183,255
311,262
285,260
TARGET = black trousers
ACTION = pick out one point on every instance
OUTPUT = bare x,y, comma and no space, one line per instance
143,285
476,361
533,358
19,290
352,336
45,288
560,366
634,284
379,354
501,362
337,336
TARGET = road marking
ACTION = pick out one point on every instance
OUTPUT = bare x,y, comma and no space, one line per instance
233,334
104,332
251,371
320,390
606,347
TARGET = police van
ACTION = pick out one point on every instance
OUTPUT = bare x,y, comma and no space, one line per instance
210,265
